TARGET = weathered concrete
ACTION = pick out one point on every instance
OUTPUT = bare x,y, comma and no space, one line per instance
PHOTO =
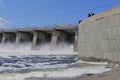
76,42
57,36
99,36
34,41
18,36
40,38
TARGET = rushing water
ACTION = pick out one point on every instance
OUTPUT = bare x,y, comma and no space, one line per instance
22,58
26,63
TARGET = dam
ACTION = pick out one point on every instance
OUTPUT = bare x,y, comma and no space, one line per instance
97,36
41,35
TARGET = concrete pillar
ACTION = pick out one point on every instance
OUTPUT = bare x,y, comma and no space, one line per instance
56,35
3,38
18,37
34,42
54,41
39,38
76,42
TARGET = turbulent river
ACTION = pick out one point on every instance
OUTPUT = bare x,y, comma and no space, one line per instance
22,63
33,62
22,58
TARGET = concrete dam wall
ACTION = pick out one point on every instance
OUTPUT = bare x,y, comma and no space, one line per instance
99,36
42,35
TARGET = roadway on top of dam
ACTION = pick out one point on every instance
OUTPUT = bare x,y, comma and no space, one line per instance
42,29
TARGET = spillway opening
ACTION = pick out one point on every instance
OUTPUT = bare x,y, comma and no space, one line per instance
8,38
26,38
70,38
42,40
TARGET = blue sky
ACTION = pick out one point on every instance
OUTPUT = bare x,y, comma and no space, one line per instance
33,13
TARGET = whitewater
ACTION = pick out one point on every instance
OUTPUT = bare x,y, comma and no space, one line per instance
19,63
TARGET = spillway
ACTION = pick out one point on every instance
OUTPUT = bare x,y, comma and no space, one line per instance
38,48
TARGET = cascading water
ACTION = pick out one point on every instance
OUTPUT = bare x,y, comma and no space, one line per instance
25,49
13,59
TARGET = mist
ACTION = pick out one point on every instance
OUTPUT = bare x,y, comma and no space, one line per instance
43,49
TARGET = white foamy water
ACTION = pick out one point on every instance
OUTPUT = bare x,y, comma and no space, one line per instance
14,59
70,72
25,49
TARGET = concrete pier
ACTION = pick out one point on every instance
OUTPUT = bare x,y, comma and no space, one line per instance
3,38
76,41
34,41
40,38
54,40
57,37
18,36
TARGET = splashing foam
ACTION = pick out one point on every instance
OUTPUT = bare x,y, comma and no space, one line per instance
25,49
70,72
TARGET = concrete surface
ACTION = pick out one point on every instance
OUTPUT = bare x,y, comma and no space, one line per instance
99,36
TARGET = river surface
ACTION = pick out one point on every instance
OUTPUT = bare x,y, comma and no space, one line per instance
24,67
22,62
32,62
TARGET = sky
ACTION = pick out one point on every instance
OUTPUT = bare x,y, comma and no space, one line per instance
42,13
